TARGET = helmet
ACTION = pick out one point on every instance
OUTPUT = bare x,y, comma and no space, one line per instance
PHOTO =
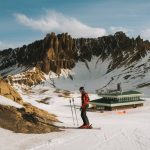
81,88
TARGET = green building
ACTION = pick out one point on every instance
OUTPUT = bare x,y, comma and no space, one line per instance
118,100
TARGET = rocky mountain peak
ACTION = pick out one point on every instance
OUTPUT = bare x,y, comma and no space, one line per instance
55,52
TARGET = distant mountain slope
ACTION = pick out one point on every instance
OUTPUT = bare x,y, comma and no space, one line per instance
96,76
102,61
62,51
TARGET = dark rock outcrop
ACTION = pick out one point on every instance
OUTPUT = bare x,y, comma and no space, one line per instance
121,49
51,53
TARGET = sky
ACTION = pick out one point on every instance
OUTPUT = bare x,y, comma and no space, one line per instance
24,21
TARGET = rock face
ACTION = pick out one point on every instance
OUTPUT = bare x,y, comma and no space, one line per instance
62,51
7,91
51,53
29,78
121,49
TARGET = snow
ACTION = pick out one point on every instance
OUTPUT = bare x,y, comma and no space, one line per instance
7,102
95,76
15,69
119,131
82,76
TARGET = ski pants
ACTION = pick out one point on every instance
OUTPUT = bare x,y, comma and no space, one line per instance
84,116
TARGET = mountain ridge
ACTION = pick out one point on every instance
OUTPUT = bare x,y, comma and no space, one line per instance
57,52
62,51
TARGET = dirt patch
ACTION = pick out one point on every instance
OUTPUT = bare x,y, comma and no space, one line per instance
43,91
63,93
45,100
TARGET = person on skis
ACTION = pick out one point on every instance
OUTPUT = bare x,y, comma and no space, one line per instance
84,106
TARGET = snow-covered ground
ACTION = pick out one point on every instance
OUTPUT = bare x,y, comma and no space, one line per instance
7,102
119,131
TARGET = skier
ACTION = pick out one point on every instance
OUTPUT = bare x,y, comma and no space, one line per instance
84,106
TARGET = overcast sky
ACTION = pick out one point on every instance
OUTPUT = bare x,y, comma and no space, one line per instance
24,21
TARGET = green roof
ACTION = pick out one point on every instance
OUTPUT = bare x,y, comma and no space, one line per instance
103,100
119,93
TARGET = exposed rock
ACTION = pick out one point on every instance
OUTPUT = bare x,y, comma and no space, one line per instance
28,119
41,53
42,114
20,121
7,91
126,50
31,77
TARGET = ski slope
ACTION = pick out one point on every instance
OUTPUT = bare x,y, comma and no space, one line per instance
119,131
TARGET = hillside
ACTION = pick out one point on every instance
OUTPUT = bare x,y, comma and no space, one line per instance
20,116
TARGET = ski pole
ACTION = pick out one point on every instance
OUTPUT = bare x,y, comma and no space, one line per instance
75,111
72,112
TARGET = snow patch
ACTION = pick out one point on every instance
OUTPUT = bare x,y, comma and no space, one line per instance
7,102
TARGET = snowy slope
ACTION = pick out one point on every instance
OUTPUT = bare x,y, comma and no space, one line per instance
7,102
13,70
119,131
94,76
81,75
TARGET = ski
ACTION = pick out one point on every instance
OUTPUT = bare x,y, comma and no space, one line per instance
95,128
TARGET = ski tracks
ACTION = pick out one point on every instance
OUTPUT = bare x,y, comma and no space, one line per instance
137,139
117,139
82,139
107,139
123,140
143,142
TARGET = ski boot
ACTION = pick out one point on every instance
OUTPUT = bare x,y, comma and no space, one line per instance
86,127
81,126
